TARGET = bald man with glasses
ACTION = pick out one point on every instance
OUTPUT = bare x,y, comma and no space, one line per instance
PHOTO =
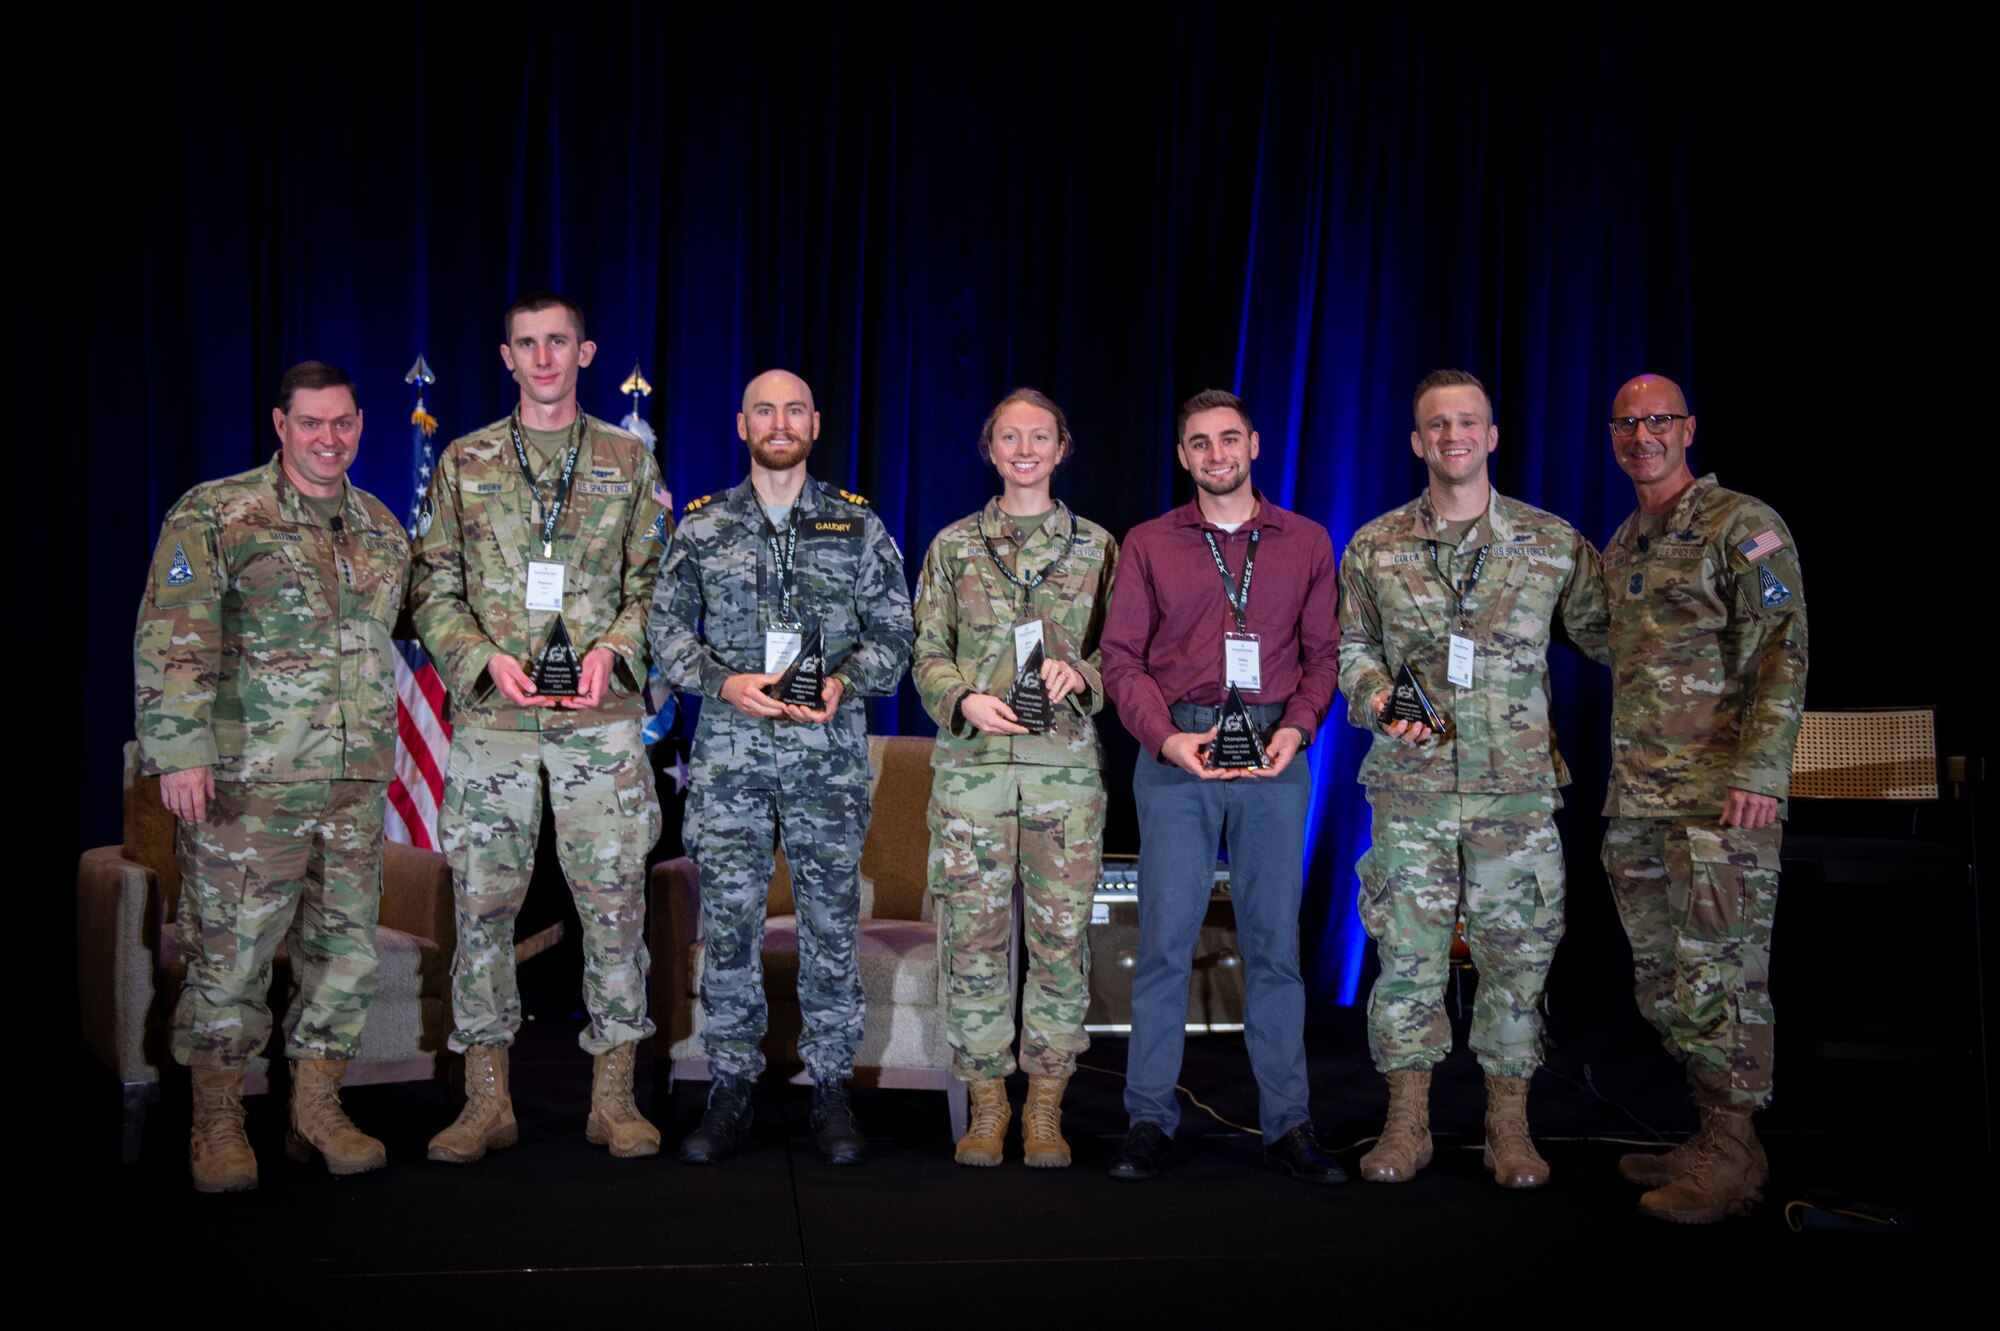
1708,659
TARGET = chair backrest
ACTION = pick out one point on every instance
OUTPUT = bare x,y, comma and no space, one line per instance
896,855
1886,753
149,830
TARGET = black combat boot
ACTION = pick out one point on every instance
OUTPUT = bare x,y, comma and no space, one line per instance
725,1128
834,1133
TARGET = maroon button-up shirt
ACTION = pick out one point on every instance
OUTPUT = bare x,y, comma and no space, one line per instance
1163,634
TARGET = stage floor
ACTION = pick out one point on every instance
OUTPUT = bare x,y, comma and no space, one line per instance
554,1231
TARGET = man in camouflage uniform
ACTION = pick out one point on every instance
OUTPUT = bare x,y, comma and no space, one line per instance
1022,571
746,572
267,707
1708,660
1464,587
545,516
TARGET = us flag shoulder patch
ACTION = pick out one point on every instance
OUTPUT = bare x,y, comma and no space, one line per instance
1763,543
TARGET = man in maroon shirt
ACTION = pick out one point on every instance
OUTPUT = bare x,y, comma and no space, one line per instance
1230,589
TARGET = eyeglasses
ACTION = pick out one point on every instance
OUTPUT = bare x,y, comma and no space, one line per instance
1627,426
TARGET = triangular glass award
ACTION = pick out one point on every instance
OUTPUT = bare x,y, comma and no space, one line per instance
1029,698
1409,702
1237,743
558,669
805,678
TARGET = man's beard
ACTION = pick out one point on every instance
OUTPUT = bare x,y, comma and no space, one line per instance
760,454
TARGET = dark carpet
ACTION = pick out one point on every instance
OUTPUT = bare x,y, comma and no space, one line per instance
556,1233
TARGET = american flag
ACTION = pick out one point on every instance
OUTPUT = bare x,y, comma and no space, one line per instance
423,738
1761,544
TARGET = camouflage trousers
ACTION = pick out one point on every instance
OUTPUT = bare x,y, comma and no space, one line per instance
1698,902
607,818
732,835
990,824
1497,858
279,860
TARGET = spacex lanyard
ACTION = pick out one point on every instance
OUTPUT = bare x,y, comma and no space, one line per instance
1033,580
1458,663
1242,655
561,497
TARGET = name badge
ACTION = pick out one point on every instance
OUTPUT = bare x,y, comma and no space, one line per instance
781,647
1027,637
545,586
1242,661
1459,668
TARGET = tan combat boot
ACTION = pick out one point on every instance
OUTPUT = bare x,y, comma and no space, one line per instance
219,1154
615,1120
487,1121
1405,1144
1654,1169
986,1131
1510,1152
321,1127
1042,1144
1725,1178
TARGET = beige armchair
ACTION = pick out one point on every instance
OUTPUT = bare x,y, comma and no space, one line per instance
129,966
902,1042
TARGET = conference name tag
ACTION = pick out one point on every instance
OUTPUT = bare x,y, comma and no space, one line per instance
1242,661
1459,668
545,585
781,647
1027,637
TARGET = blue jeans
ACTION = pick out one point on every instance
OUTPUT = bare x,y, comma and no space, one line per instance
1181,820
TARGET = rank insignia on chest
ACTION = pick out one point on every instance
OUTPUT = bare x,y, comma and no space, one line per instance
1774,591
1637,585
179,573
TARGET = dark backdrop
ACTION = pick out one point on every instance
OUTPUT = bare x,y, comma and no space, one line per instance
920,208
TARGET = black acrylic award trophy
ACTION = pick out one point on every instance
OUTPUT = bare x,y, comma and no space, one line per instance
558,670
1409,702
1029,698
805,678
1237,744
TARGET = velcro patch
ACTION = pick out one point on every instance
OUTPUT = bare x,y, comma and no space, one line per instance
1763,543
1391,558
604,473
604,487
1637,585
834,527
1521,551
487,487
179,573
1683,552
1774,592
658,531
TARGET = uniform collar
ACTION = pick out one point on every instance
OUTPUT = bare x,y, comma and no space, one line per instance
1682,516
1426,525
995,524
292,507
744,499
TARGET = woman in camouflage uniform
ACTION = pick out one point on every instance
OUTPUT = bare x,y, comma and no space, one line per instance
1022,576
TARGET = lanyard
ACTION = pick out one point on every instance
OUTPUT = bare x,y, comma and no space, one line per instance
784,557
1471,579
534,486
1239,597
1035,580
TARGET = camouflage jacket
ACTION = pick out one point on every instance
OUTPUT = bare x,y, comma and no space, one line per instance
1395,609
477,531
263,641
719,591
1708,655
966,613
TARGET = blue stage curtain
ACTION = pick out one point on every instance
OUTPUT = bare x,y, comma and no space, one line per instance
919,209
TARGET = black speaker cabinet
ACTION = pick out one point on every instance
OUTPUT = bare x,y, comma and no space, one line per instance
1215,990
